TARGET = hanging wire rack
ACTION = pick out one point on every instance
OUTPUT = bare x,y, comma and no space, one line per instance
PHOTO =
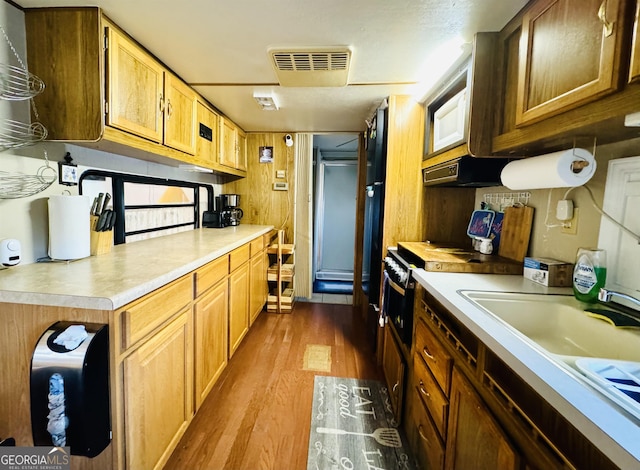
16,83
16,134
498,201
16,185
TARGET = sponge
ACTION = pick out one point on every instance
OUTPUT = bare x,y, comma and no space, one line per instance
617,319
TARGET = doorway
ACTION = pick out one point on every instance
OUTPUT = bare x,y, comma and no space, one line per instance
335,185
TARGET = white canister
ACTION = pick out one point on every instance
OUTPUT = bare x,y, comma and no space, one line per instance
69,227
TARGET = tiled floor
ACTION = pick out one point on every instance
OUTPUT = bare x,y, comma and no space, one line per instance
328,298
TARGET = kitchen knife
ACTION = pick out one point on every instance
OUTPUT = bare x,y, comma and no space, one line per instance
107,198
99,204
111,217
102,221
94,206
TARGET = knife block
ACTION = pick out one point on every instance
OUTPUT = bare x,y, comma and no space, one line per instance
101,242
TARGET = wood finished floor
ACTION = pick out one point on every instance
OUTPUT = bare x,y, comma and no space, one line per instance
258,414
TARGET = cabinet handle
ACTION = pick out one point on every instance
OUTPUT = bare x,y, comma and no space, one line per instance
427,353
422,436
161,103
169,109
424,390
395,386
602,15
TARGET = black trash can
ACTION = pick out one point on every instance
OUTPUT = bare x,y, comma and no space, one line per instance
70,388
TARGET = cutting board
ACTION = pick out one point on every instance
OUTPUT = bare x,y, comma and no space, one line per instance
516,231
452,259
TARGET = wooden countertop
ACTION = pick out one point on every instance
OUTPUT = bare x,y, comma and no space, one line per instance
131,270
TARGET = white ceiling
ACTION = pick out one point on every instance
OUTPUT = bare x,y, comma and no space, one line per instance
224,45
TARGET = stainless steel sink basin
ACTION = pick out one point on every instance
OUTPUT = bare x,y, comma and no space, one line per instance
559,324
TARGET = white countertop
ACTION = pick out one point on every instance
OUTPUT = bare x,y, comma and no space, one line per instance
611,429
129,271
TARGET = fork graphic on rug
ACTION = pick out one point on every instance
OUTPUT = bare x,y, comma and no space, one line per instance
386,436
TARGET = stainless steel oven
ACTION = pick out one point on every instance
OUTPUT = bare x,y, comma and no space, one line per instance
397,295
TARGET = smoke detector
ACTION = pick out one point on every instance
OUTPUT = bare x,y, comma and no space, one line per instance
312,67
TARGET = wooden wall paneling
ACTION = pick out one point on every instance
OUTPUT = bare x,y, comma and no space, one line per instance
22,327
446,214
403,187
260,203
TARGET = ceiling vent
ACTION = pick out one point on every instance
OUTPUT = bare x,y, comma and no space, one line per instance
317,67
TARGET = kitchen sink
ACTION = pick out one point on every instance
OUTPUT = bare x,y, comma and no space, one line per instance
608,357
559,324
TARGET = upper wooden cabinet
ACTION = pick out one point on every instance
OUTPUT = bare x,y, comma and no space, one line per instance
135,88
128,100
147,100
179,114
569,55
233,145
562,69
207,140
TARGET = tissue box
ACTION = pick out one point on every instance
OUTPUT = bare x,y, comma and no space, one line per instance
548,272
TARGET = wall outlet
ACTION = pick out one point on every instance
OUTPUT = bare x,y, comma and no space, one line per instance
278,186
570,227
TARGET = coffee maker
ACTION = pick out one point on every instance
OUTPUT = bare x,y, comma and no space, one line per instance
231,212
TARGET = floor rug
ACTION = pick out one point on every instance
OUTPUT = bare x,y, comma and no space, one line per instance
352,426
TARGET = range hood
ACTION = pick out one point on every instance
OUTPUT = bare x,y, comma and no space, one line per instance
465,171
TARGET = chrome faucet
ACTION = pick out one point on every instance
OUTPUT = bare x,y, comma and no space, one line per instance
605,296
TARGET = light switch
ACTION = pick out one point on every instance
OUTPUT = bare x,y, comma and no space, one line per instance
281,174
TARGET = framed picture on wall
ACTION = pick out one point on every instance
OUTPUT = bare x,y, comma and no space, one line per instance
266,154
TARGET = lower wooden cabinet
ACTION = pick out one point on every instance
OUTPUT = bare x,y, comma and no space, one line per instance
158,394
393,366
475,440
211,342
238,306
423,435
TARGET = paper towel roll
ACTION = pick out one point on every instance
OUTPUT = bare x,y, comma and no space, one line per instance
553,170
69,231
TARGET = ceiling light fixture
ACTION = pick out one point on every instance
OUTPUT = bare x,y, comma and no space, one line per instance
266,101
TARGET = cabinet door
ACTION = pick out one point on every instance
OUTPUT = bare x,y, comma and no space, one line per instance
158,403
258,293
634,70
475,440
567,56
241,148
238,306
210,325
180,111
393,368
134,88
206,150
227,153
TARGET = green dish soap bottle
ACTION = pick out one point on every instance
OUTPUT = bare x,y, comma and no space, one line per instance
589,274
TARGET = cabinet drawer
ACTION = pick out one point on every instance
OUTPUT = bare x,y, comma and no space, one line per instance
436,401
434,355
238,256
142,316
429,447
210,274
256,246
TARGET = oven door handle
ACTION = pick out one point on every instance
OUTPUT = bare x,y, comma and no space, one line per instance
396,287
